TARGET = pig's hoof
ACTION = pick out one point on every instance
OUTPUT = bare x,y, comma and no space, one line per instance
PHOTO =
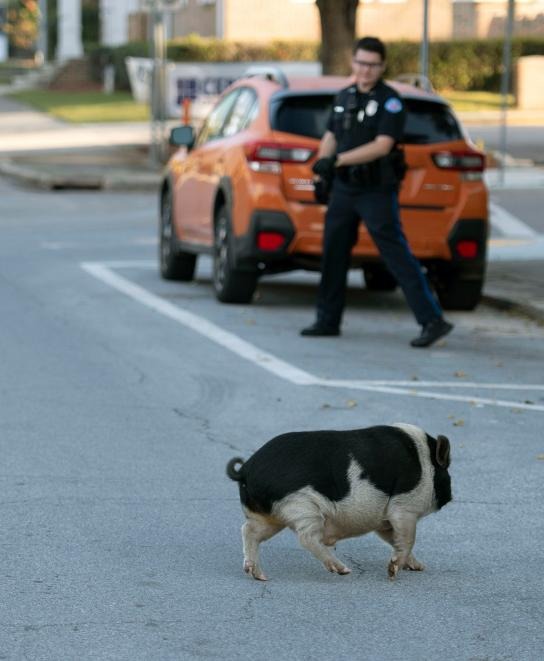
254,570
337,568
414,565
393,568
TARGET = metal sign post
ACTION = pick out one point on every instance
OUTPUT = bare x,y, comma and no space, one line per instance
424,51
4,46
42,51
505,82
157,98
158,88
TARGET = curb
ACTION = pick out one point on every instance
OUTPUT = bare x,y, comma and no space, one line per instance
114,181
519,308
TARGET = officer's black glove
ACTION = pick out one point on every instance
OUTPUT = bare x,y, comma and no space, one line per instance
324,167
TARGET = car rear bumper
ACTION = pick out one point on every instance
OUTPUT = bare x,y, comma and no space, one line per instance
246,246
469,232
301,247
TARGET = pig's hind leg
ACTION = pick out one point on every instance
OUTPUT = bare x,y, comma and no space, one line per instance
309,524
255,530
401,535
310,536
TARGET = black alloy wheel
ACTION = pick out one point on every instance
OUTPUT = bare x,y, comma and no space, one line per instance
231,285
456,293
174,264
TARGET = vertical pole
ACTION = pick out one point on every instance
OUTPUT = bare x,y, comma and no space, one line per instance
158,86
42,50
424,51
505,82
3,36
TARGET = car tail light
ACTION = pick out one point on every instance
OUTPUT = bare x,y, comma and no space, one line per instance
463,161
467,249
270,240
268,156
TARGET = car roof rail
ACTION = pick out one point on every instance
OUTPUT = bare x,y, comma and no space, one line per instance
269,72
417,80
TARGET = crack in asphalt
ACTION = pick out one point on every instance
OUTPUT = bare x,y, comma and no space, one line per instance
205,423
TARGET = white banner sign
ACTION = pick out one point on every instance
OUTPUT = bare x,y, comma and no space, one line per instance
202,81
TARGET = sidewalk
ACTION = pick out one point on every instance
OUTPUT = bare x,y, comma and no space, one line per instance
49,153
38,150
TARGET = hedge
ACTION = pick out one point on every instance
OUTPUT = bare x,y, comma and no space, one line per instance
456,65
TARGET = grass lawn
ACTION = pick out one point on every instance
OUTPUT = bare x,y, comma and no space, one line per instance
468,101
85,106
120,106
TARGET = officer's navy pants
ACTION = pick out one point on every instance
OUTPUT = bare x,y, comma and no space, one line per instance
380,213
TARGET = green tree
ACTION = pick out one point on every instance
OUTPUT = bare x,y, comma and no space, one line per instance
338,19
22,25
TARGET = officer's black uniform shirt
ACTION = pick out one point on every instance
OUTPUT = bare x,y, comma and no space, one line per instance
357,118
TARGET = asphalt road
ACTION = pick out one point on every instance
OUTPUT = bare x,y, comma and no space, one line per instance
521,141
122,398
525,205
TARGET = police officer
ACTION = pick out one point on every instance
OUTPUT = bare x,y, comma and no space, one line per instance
360,149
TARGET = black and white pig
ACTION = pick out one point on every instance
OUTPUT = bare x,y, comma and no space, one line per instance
330,485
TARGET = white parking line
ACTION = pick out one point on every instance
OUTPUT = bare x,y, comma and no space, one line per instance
282,369
508,224
201,325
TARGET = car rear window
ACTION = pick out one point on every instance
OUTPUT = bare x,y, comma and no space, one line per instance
427,122
302,115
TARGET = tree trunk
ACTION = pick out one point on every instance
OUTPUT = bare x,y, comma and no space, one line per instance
337,34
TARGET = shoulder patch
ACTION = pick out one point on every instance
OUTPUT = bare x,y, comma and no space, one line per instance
393,105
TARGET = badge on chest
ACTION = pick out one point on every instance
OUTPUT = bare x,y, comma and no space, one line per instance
369,111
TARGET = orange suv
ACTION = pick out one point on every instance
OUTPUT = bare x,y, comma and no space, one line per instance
242,190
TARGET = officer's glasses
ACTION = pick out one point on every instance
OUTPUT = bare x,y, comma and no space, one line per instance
368,65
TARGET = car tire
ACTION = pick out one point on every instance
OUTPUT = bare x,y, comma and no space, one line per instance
378,278
174,264
456,293
231,285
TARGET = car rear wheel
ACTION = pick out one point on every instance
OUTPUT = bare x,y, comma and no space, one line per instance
378,278
174,264
456,293
231,285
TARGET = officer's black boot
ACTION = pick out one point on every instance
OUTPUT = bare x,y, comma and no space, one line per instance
320,330
432,332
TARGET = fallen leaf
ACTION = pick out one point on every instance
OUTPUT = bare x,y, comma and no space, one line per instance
460,374
351,403
540,457
458,423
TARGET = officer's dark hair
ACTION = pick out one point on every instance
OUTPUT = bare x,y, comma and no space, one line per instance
371,44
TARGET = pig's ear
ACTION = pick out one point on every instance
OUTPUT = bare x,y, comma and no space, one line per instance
442,451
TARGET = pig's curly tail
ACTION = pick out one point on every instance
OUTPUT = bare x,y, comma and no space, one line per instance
234,473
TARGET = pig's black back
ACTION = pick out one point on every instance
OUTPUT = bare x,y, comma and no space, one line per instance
320,459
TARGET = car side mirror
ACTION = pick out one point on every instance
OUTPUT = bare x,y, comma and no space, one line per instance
182,136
